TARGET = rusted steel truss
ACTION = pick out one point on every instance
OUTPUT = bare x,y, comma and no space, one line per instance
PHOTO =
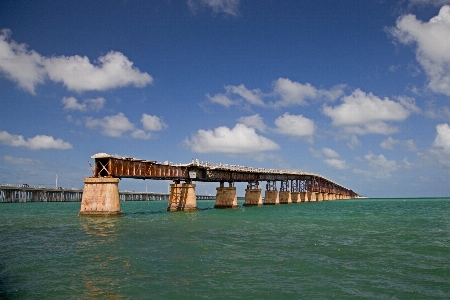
122,167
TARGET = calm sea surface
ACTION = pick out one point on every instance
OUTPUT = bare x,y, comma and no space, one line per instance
374,248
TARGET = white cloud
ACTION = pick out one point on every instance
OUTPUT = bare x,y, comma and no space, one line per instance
19,160
230,7
255,121
141,134
220,99
362,113
432,42
240,139
354,142
19,64
330,153
71,103
294,125
295,93
380,166
390,143
441,144
78,74
113,126
152,123
37,142
28,68
333,159
336,163
118,125
251,96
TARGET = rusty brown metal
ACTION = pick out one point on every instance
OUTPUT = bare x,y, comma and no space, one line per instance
123,167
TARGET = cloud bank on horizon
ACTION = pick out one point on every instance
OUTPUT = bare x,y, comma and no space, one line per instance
362,128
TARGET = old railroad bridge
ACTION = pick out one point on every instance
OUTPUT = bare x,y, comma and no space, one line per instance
101,193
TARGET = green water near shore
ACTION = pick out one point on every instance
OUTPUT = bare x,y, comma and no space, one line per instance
371,248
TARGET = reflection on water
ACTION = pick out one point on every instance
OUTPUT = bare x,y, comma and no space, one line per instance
99,226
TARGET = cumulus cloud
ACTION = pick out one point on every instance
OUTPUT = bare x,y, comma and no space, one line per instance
285,93
37,142
255,121
295,93
119,125
380,166
152,123
390,143
432,44
71,103
362,113
113,126
28,68
329,157
240,139
441,144
111,71
294,125
19,64
230,7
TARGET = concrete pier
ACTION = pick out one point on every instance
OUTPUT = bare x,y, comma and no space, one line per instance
285,197
295,197
226,197
100,197
253,197
312,196
271,197
319,197
182,197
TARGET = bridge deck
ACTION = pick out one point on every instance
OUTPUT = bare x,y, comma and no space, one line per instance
123,167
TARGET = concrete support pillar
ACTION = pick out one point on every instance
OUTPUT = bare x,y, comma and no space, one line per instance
182,197
332,196
326,197
253,197
312,196
285,197
100,197
295,197
226,197
319,196
271,197
304,197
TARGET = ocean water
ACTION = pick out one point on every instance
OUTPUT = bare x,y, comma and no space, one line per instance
352,249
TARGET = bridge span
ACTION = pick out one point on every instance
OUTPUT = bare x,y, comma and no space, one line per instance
100,196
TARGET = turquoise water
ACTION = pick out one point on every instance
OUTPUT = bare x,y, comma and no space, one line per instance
374,248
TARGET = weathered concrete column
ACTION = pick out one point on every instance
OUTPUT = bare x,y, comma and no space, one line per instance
285,197
253,197
182,197
325,197
304,197
332,196
295,197
226,197
100,197
312,196
319,197
271,197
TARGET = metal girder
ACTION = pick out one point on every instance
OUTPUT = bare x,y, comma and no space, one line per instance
123,167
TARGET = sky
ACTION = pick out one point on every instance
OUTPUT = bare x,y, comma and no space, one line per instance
356,91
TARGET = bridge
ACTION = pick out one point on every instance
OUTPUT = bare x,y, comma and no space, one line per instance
101,196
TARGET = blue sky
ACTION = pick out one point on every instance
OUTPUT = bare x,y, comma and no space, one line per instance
357,92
